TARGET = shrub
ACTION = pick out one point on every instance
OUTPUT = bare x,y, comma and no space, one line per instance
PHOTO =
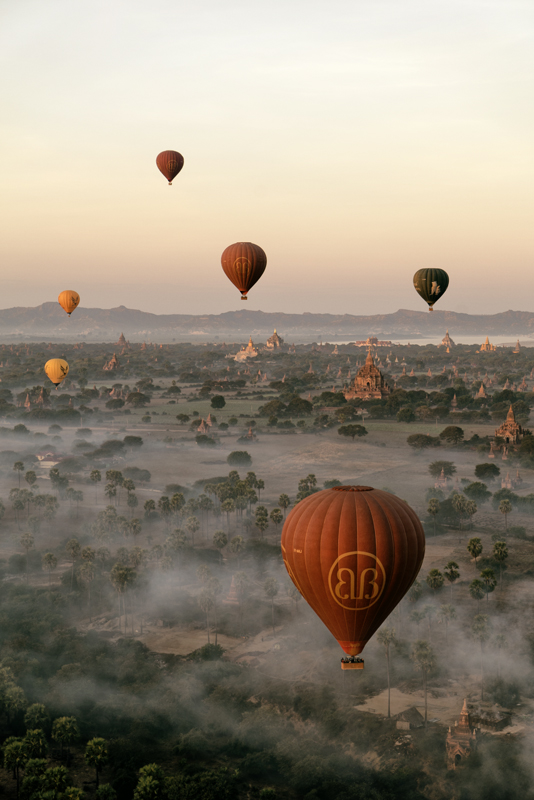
239,458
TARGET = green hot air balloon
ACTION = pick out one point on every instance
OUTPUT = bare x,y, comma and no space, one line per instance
431,284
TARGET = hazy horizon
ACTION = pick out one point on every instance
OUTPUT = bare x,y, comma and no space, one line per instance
355,145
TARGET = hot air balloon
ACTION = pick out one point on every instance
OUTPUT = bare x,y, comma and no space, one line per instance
244,263
57,370
69,300
430,284
169,163
353,552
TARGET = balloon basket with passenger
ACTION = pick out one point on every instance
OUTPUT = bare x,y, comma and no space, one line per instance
352,662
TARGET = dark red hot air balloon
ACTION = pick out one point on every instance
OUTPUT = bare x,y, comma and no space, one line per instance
353,552
169,163
244,263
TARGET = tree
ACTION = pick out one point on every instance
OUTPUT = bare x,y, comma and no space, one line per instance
476,590
95,477
452,434
239,458
405,415
415,592
435,580
284,502
15,758
220,540
49,563
65,731
121,578
424,659
276,517
386,637
478,492
352,431
436,467
18,467
420,441
261,519
270,587
434,509
446,614
73,551
192,525
87,576
206,603
260,486
218,401
505,507
30,478
474,548
236,547
500,554
451,573
97,755
35,743
489,580
487,472
417,617
36,716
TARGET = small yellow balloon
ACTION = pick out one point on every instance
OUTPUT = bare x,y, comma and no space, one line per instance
69,300
57,370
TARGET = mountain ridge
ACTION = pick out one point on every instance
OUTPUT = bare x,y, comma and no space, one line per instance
49,322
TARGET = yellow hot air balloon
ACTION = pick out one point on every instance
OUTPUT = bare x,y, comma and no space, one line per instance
57,370
69,300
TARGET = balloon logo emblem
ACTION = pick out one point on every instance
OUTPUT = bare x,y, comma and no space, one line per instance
242,264
356,589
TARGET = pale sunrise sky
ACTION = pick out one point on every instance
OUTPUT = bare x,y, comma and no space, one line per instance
356,141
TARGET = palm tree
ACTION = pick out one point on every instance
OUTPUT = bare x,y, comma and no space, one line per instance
500,554
284,502
65,731
433,510
49,563
122,576
95,477
96,755
451,573
435,580
424,660
476,590
87,575
220,540
489,580
417,617
505,507
206,603
474,548
192,525
386,637
73,550
18,467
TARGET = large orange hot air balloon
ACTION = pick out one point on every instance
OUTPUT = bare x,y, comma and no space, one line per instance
57,370
353,552
244,263
169,163
69,300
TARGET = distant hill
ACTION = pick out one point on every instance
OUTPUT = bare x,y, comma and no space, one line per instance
49,322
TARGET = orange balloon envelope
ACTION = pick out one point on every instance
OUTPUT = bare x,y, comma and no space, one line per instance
353,552
169,163
69,300
244,263
57,370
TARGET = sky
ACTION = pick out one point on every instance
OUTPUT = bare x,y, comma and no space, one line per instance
355,141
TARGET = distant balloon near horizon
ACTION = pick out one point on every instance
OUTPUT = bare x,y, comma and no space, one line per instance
69,300
353,552
169,163
244,263
430,284
57,370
